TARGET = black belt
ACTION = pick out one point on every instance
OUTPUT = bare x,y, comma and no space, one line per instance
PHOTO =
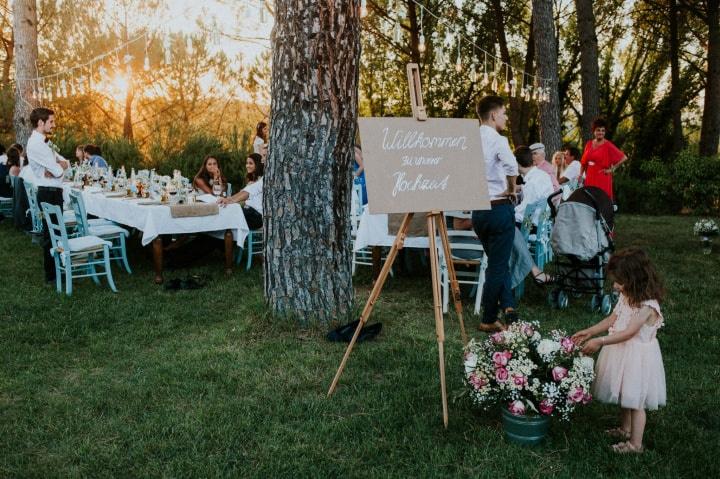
504,201
51,188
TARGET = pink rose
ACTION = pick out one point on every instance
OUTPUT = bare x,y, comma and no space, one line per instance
477,381
559,373
546,407
567,345
500,359
586,398
517,408
501,374
498,337
577,395
508,355
519,380
528,330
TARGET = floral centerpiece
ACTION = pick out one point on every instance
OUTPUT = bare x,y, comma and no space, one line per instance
706,228
527,375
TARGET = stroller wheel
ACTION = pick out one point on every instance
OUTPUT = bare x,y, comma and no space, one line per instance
563,300
606,307
553,298
595,302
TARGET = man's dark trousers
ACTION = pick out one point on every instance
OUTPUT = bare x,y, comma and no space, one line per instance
53,196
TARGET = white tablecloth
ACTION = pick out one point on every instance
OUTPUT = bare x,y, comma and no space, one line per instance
373,231
155,220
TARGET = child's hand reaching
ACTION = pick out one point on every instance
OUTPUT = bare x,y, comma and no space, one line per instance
581,336
592,346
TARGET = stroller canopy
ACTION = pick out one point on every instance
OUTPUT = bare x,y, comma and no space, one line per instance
583,224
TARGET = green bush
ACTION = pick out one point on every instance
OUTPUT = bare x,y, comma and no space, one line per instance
668,186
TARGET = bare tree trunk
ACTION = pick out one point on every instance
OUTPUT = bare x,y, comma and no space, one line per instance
675,94
316,56
26,53
127,121
546,59
589,71
710,131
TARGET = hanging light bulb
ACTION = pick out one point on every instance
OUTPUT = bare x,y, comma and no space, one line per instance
58,92
473,75
128,70
363,9
189,46
536,94
63,88
458,60
513,84
421,43
166,50
146,63
494,86
398,31
439,59
72,86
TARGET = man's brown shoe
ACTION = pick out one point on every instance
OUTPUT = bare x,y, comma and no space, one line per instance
492,327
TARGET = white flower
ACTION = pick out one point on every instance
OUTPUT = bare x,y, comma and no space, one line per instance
548,347
587,363
470,362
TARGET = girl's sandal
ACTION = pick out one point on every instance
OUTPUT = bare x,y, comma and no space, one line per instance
627,448
618,432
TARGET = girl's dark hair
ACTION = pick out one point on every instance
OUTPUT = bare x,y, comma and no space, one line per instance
13,157
204,174
631,267
18,146
259,168
599,123
259,131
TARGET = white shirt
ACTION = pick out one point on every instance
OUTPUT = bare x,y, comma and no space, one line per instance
258,145
42,158
3,159
572,171
537,187
255,201
26,174
499,161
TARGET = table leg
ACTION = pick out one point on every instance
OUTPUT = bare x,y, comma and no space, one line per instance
157,245
229,249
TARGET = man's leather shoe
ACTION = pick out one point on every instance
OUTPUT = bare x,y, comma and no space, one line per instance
491,327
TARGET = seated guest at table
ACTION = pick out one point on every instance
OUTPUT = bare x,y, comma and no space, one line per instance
13,161
252,209
538,156
558,164
80,154
536,184
209,174
572,164
23,157
93,156
254,168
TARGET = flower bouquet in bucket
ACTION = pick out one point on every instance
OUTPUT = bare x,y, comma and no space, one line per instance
706,229
532,378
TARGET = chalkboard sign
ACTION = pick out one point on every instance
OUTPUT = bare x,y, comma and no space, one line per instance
416,166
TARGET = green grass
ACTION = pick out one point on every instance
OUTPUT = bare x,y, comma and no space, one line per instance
149,383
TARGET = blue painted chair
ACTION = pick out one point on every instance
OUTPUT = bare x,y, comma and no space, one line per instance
253,247
110,232
538,240
76,257
34,210
6,204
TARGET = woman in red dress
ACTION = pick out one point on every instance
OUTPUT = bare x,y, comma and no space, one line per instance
600,159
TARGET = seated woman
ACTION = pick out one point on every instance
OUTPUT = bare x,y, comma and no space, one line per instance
93,156
13,161
251,195
254,168
209,175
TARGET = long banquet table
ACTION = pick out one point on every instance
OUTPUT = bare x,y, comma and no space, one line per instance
154,221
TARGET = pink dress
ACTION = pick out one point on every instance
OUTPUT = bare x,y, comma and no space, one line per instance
631,373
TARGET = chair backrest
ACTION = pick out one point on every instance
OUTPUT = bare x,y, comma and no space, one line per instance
78,205
35,210
56,226
465,245
539,211
14,181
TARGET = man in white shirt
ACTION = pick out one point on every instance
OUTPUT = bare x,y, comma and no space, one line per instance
496,227
48,168
571,158
252,196
536,183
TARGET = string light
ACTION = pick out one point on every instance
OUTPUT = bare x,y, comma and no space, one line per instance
458,60
364,9
421,40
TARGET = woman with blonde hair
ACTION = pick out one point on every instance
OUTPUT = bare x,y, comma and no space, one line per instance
558,163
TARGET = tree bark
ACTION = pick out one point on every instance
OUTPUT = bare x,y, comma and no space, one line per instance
589,72
546,59
710,131
675,94
127,120
26,53
316,56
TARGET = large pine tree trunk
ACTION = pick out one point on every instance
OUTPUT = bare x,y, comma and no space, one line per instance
26,53
710,131
589,70
546,59
316,56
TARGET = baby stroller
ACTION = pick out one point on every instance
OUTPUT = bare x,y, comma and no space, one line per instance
582,241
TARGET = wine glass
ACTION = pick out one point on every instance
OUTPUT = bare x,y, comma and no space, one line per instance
217,188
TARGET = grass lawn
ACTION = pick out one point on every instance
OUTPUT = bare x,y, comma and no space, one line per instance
148,383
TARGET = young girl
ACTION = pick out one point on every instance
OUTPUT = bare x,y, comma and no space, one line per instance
629,370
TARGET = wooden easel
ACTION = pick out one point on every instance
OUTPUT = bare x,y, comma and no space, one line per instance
435,222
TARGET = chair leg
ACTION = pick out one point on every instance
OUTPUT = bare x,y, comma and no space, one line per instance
108,271
478,290
123,245
58,274
68,277
239,255
92,269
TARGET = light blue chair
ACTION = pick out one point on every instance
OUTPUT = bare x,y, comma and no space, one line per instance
76,257
108,231
6,204
253,247
538,241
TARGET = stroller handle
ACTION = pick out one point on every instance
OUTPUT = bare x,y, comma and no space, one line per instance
551,203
